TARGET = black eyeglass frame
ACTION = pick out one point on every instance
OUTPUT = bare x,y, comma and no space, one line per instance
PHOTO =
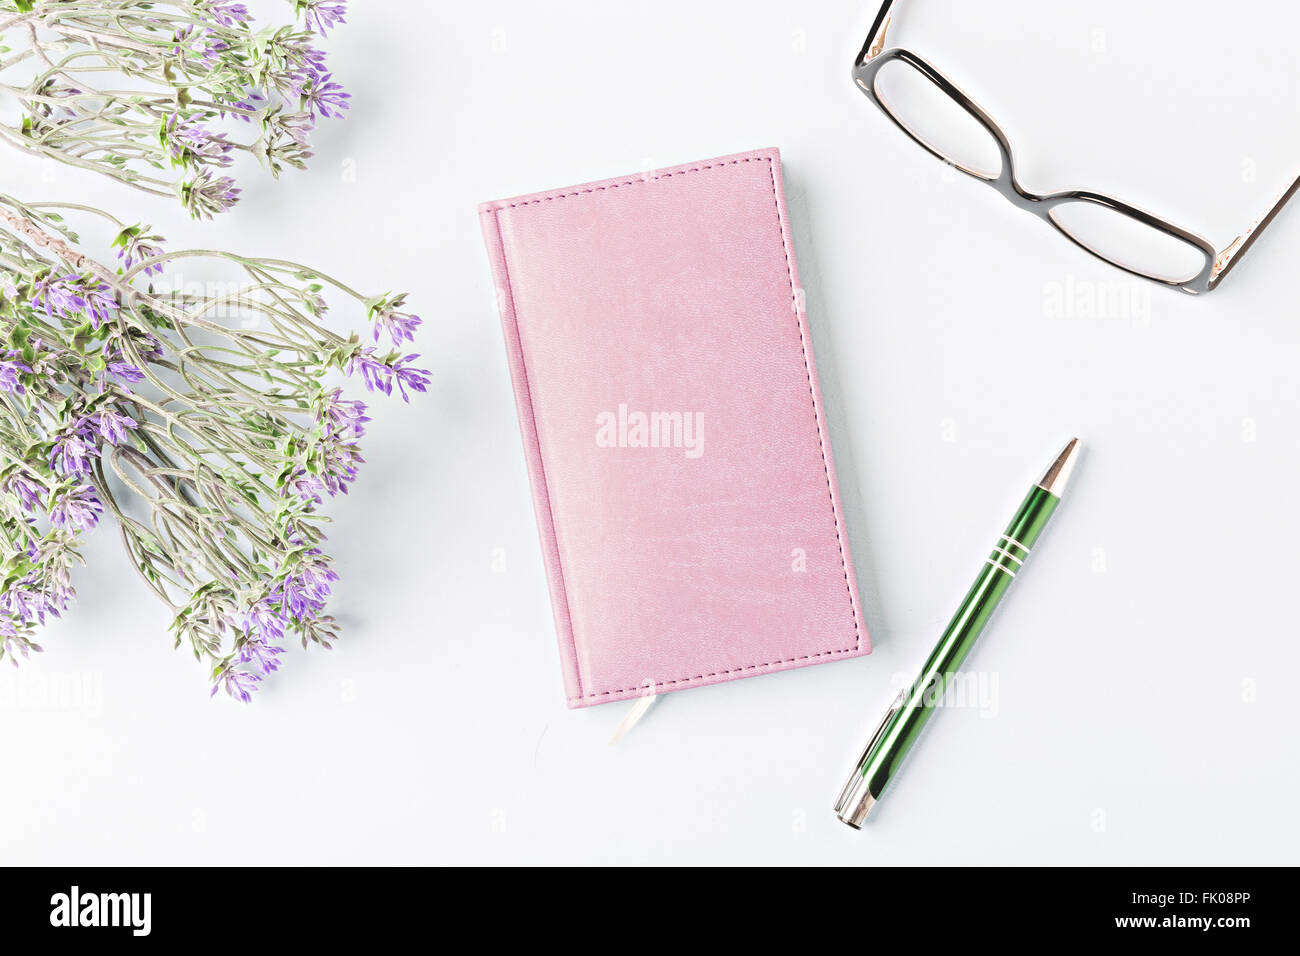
1217,263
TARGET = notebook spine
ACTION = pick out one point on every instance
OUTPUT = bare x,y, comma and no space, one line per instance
542,506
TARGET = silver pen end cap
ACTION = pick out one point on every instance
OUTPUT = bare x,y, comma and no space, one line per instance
855,801
1058,476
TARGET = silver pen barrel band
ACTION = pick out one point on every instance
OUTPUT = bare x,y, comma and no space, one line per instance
1010,543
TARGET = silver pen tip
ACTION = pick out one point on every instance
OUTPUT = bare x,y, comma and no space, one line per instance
1058,476
856,801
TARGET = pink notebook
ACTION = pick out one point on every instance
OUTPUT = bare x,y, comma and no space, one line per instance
672,423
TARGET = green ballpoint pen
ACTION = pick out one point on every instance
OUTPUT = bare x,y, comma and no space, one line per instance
913,707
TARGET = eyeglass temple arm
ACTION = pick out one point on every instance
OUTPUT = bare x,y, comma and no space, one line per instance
1229,258
876,38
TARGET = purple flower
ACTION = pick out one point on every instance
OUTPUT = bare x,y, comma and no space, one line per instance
304,485
303,592
340,462
77,510
73,451
302,65
58,295
12,643
238,684
100,303
25,602
377,376
10,369
191,144
72,295
230,14
43,591
148,345
138,248
30,494
297,127
202,44
380,374
416,379
112,425
126,372
335,459
399,325
263,619
345,418
261,654
204,196
323,15
321,96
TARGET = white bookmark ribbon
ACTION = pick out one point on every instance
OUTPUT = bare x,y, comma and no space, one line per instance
639,709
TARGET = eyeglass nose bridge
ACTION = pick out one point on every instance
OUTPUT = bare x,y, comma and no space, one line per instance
1006,182
1018,195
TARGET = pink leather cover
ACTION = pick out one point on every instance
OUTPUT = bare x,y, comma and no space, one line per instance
721,553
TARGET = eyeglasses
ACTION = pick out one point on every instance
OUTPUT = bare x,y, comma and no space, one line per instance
928,107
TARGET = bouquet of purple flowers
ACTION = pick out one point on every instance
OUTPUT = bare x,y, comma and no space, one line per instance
163,94
207,421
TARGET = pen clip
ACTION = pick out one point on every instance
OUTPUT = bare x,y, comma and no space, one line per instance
894,708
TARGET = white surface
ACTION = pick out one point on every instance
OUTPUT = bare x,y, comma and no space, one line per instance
1143,709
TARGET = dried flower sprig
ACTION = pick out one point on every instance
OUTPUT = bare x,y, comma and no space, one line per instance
204,419
153,92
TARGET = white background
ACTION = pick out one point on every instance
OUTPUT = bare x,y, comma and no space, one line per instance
1140,680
